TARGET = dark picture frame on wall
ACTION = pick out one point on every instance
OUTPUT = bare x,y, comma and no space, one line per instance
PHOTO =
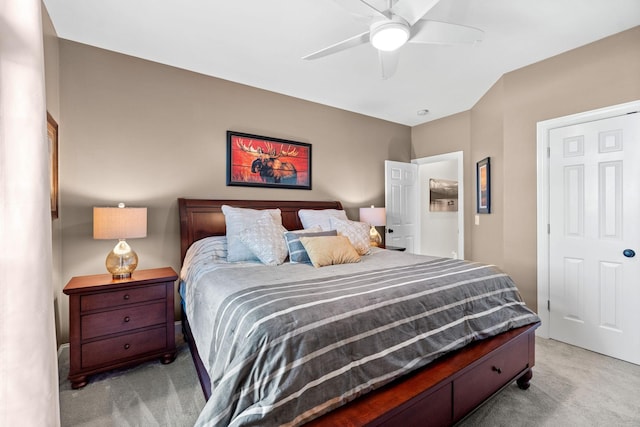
262,161
52,137
483,186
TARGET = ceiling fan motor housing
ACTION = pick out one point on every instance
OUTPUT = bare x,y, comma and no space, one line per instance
389,34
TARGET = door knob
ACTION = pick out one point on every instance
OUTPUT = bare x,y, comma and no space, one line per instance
629,253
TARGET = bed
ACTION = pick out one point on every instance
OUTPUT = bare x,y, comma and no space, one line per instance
440,389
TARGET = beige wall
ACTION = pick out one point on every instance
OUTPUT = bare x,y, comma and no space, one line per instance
503,126
145,134
52,88
171,124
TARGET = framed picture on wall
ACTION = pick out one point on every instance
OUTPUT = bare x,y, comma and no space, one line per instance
261,161
483,184
52,137
443,195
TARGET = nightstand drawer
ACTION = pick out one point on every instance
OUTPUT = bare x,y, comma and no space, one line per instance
124,319
126,296
125,346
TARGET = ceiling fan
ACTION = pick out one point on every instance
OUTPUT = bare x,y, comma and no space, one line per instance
396,23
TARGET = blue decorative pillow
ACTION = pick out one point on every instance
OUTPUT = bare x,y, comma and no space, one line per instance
297,253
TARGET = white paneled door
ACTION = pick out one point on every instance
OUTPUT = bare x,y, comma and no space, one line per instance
401,202
594,236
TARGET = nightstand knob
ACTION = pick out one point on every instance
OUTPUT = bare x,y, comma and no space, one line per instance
126,346
126,296
126,319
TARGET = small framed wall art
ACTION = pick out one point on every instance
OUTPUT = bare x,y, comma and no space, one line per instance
483,184
443,195
260,161
52,137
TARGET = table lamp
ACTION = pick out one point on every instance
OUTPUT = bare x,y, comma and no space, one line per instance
374,217
120,223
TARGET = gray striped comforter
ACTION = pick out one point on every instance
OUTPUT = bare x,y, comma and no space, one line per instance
286,344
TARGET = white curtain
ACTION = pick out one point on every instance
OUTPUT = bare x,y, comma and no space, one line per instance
28,365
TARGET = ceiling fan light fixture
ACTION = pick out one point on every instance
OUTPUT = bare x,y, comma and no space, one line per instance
389,35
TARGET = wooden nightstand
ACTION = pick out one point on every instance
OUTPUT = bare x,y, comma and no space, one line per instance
116,323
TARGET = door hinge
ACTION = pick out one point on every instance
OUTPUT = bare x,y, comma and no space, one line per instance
548,305
548,151
548,228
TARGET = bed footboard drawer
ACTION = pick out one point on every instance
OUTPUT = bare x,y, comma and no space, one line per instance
435,413
497,370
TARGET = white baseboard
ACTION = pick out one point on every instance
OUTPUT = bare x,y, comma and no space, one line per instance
61,347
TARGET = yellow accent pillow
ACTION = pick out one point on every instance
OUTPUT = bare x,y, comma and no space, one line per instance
329,250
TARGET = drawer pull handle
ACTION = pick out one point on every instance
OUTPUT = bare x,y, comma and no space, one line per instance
127,346
126,296
496,369
126,319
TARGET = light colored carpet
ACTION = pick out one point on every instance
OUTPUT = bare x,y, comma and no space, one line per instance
150,394
570,387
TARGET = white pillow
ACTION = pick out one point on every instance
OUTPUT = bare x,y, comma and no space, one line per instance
212,247
205,251
320,217
238,219
265,238
357,232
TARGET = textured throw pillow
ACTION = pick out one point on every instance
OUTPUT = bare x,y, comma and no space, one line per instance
320,217
329,250
357,232
238,219
265,239
297,253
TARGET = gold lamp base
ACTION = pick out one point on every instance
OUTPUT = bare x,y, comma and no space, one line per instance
121,261
375,239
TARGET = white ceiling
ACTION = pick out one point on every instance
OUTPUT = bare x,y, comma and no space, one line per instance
260,43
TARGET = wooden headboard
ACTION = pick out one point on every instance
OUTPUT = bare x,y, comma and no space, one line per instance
200,218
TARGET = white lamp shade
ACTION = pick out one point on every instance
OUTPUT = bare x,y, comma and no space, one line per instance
119,223
373,216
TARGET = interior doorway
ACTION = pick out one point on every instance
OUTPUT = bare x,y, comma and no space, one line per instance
411,221
441,208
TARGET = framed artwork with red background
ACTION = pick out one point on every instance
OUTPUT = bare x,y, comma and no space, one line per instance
261,161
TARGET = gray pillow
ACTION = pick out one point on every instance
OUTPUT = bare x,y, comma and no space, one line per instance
297,253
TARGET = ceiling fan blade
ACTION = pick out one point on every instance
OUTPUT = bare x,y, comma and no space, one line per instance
381,13
413,10
362,10
388,63
354,41
435,32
